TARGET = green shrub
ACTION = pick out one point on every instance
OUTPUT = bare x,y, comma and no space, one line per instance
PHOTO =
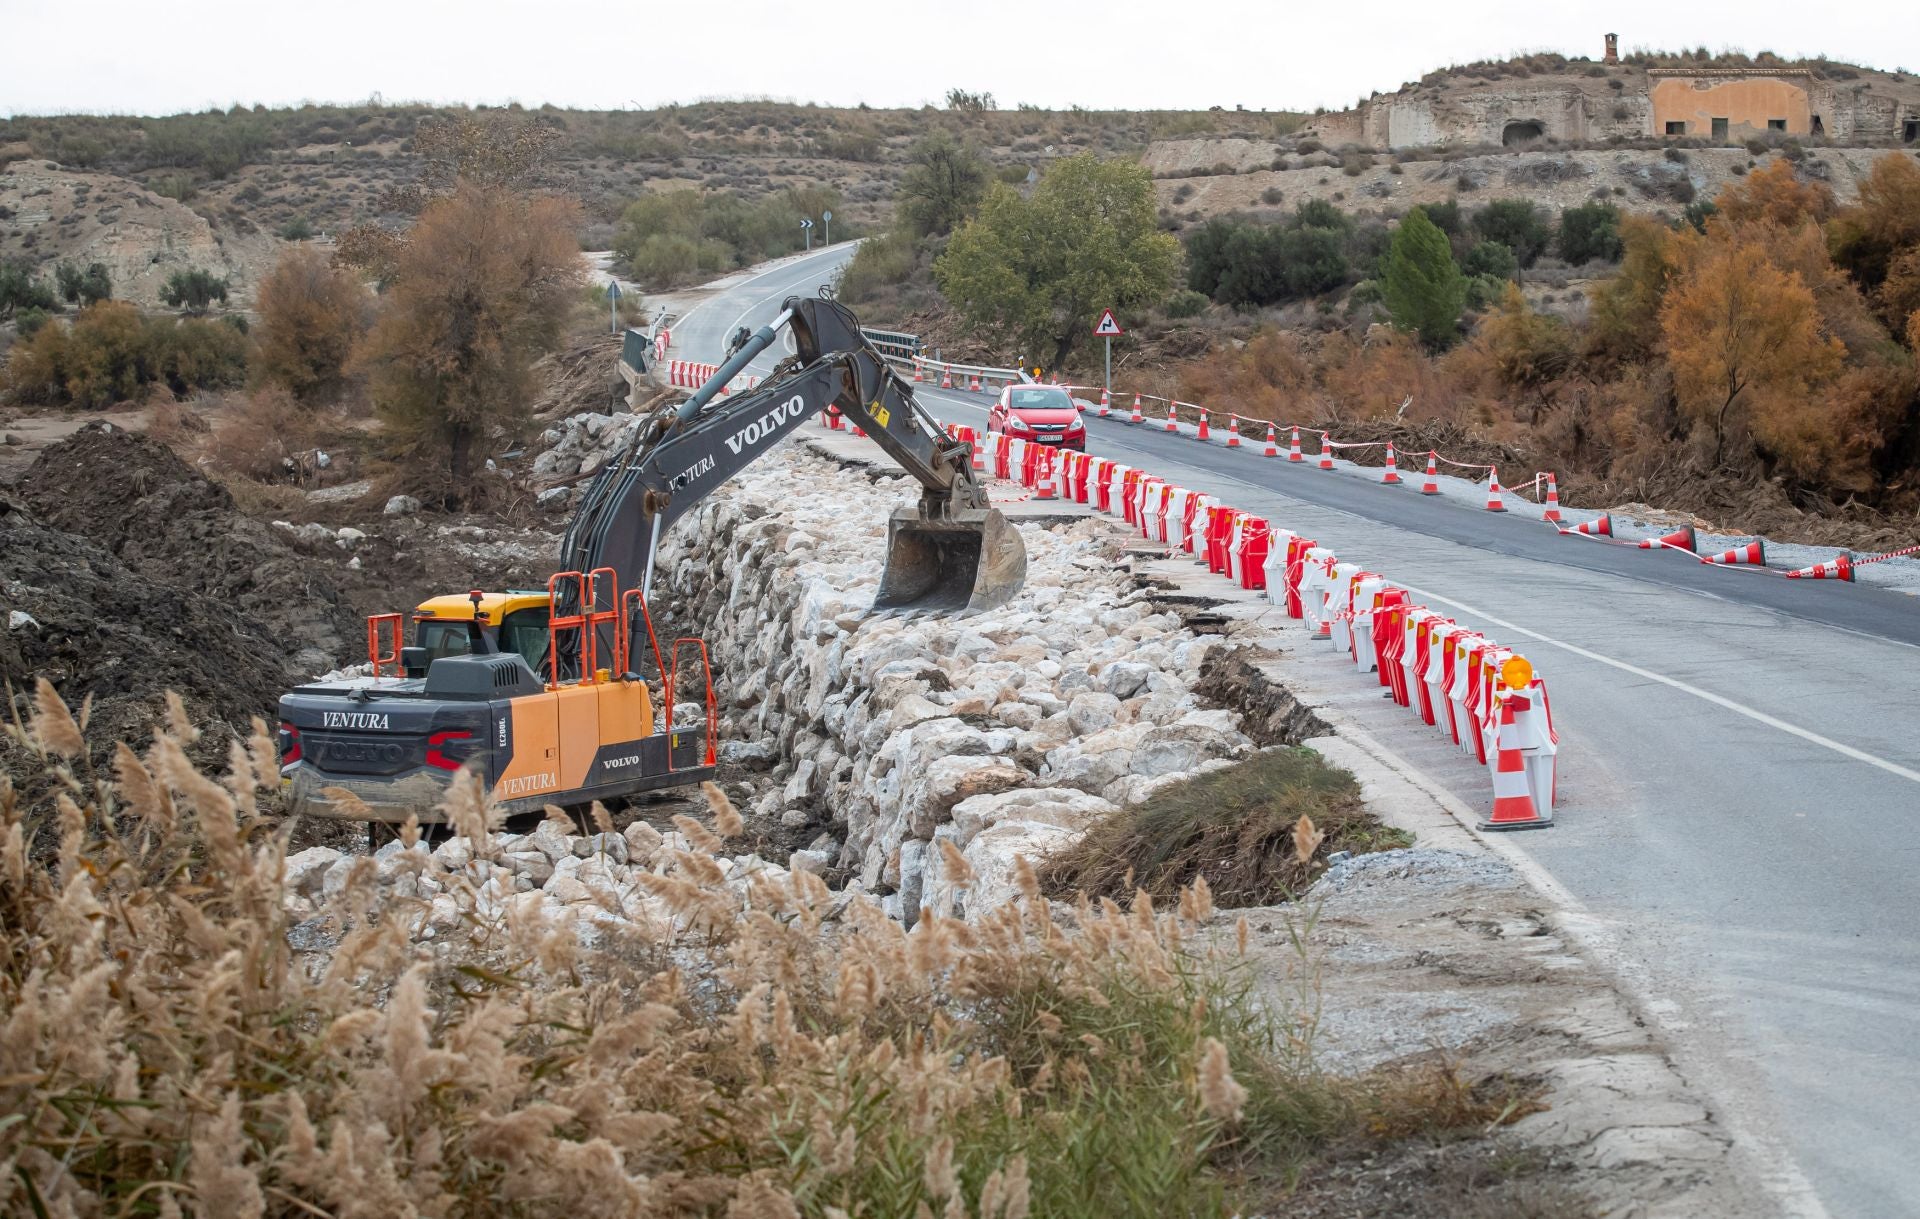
87,287
1590,233
297,229
1491,258
28,321
1515,223
1186,303
879,262
194,290
197,353
19,289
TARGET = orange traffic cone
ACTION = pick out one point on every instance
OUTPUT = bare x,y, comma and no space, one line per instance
1136,409
1680,539
1203,433
1513,807
946,376
1753,554
1553,500
1233,431
1431,486
1173,422
1106,404
919,373
1326,452
1840,567
1391,476
1293,447
1494,503
973,383
1273,445
1599,527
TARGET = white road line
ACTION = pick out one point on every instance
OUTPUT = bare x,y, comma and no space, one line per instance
1759,717
785,266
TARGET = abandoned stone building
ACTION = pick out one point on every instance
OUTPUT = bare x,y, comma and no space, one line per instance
1720,105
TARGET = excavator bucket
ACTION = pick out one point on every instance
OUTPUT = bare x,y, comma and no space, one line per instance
972,562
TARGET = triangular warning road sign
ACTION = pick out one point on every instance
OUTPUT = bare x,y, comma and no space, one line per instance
1106,326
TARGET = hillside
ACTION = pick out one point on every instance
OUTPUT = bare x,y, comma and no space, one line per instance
220,190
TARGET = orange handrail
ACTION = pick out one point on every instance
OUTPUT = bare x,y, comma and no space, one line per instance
375,656
712,705
564,622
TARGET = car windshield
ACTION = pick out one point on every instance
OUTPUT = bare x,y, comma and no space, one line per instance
1048,399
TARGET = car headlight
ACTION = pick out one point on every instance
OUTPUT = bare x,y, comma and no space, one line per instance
1016,424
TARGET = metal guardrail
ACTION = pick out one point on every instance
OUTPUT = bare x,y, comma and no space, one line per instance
893,344
635,348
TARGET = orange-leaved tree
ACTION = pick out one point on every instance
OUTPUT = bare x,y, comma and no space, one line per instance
311,314
1777,194
1740,330
477,290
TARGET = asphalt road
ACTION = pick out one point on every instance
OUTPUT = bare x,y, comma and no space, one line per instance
1740,762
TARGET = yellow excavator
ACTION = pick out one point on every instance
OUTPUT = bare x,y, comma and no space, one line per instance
566,694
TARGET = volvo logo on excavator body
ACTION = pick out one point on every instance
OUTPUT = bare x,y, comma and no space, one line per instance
764,426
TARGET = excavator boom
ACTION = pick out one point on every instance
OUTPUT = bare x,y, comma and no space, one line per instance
952,553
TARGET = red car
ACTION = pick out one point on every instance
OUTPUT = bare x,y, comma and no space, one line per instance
1045,414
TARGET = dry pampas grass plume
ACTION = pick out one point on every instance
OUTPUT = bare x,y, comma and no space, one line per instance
1306,839
1220,1092
726,818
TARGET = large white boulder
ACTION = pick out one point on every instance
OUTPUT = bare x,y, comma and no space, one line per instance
1065,808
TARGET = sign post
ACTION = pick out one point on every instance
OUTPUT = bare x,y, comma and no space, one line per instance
1106,328
828,217
613,303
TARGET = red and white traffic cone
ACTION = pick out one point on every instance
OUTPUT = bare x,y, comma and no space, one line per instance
1273,443
1553,500
1390,476
1106,404
1680,539
1599,527
946,376
1742,555
1203,433
1233,431
1043,475
1753,554
1431,486
1513,806
973,383
1839,567
1293,447
1173,422
1494,503
919,372
1135,418
1326,452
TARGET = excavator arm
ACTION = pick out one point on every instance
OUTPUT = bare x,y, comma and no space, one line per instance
951,553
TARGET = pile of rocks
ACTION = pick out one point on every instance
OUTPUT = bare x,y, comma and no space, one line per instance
550,870
1005,733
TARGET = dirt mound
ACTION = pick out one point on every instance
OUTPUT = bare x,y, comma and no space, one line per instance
99,628
133,497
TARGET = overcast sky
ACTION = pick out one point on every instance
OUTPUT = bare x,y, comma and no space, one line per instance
164,56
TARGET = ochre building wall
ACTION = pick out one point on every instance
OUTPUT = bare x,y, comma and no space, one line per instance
1747,104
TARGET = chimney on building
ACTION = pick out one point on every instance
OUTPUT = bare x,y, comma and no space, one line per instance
1613,49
